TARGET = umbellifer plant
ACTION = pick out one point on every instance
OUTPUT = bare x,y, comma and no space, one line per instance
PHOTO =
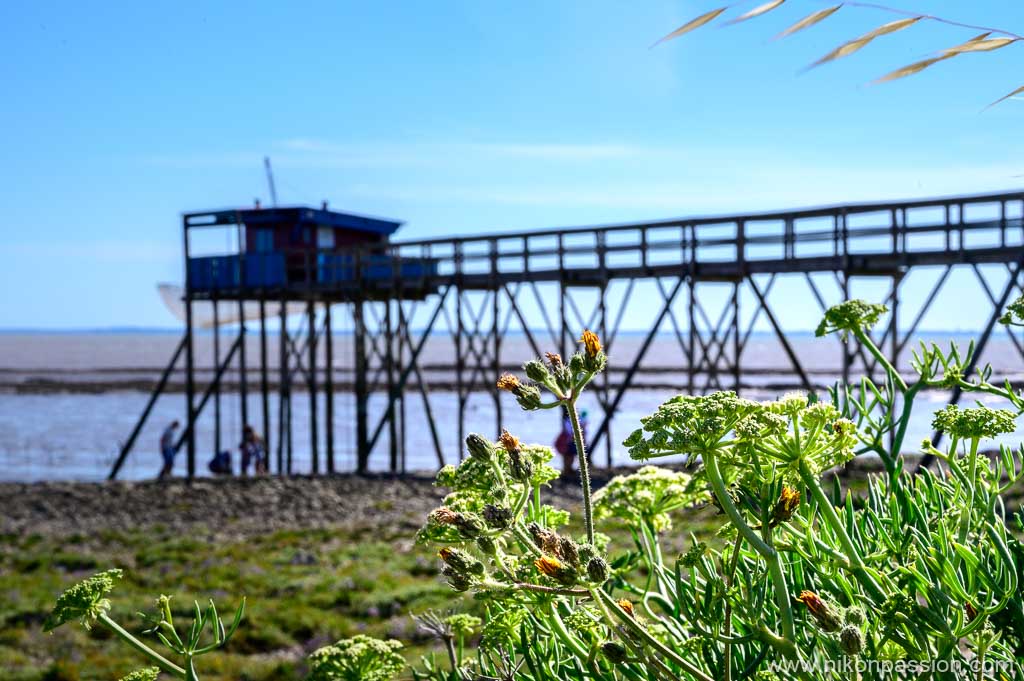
918,576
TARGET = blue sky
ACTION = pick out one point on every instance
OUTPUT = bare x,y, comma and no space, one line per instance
457,117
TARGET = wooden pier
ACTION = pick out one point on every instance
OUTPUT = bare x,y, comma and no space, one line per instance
548,285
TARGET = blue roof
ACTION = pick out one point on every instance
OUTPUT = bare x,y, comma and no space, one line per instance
293,215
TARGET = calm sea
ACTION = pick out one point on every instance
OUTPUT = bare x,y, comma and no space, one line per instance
68,400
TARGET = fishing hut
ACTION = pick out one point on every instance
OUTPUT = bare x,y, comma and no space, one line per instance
285,263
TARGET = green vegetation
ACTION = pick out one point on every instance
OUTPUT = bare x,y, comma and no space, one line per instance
304,589
799,579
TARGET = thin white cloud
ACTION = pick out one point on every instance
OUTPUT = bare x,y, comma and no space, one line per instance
313,153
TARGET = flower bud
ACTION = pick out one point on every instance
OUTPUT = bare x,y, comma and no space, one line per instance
457,580
614,652
576,364
478,446
855,616
497,517
851,640
486,545
597,570
823,613
468,525
528,397
536,371
586,553
460,561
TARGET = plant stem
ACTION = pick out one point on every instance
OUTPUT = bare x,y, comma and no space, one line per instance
880,356
829,513
770,555
581,455
727,626
154,656
642,633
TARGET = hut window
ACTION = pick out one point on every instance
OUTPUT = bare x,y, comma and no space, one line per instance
325,237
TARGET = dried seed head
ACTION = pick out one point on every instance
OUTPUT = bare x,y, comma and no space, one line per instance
554,359
569,551
546,540
970,611
443,516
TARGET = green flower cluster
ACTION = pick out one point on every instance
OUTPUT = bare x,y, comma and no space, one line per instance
360,658
689,424
974,423
146,674
648,495
850,316
751,438
85,601
1014,315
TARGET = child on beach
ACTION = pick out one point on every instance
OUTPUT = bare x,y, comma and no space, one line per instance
253,452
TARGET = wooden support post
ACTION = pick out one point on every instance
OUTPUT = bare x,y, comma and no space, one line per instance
243,386
190,387
282,385
216,363
313,434
362,425
264,383
329,386
389,364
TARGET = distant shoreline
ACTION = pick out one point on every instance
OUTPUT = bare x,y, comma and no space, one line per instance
165,331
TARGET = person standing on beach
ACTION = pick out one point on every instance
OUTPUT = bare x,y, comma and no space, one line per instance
565,443
168,449
253,452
